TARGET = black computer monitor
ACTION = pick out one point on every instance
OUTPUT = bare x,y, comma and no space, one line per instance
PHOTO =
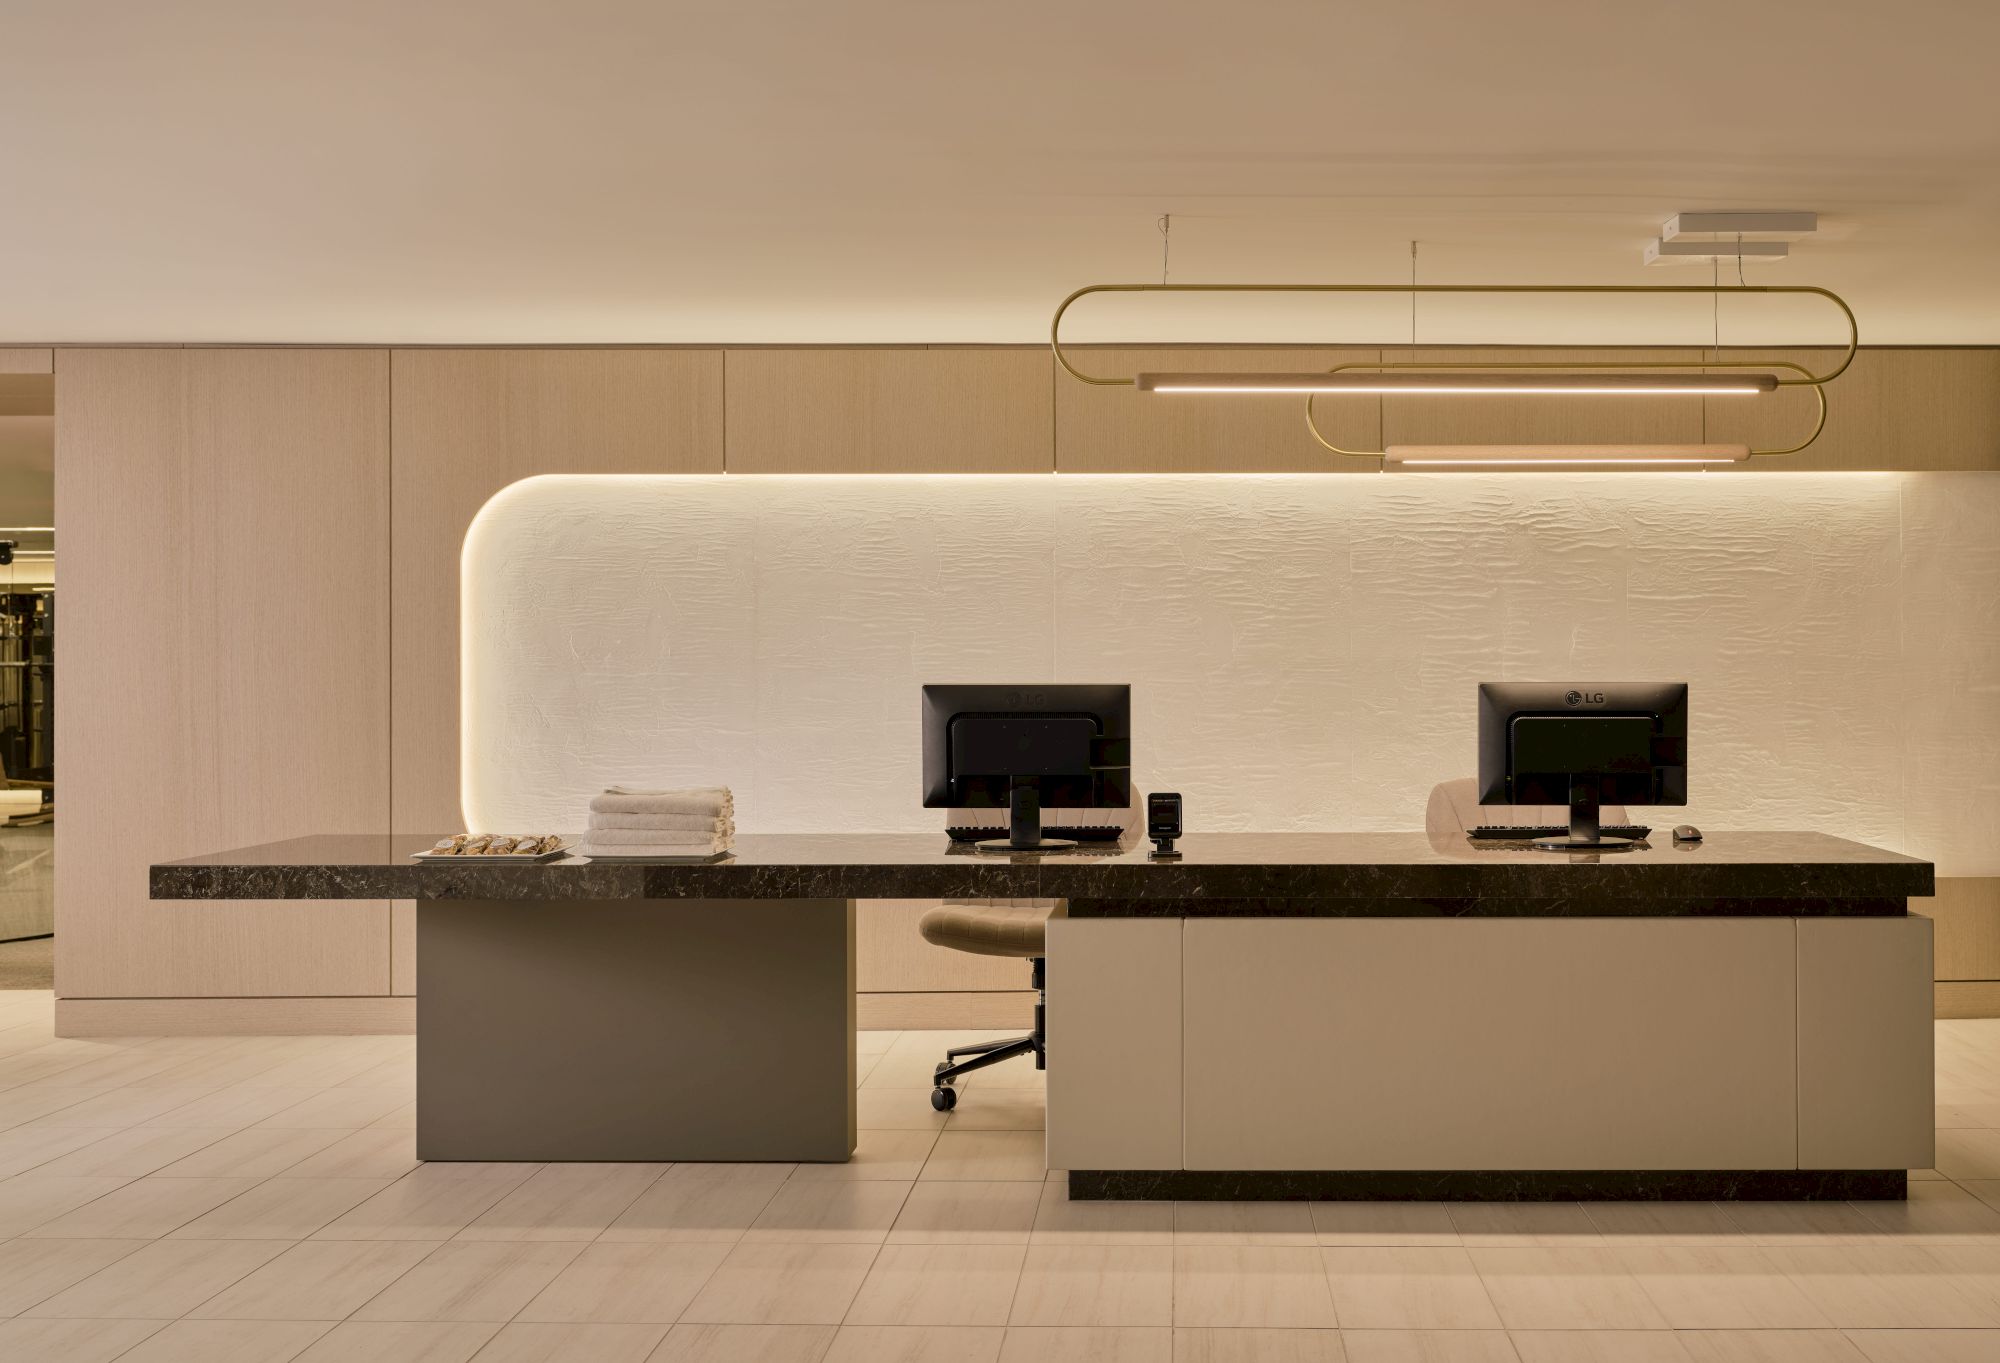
1583,746
1027,748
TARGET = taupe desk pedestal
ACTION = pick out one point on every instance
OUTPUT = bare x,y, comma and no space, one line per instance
692,1029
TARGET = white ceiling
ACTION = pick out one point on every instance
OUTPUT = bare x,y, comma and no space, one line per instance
944,170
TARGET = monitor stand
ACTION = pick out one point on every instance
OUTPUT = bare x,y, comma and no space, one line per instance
1024,824
1583,835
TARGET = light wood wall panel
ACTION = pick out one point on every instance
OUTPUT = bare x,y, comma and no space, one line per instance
1118,430
1967,999
890,411
26,360
1892,409
1554,420
466,423
170,445
224,519
984,1010
892,957
1967,914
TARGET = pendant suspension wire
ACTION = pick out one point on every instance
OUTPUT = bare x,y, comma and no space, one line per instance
1413,300
1166,226
1715,330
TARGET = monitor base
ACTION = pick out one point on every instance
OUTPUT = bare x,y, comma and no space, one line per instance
1585,844
1039,845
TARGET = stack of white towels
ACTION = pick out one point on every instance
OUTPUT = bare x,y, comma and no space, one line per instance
628,822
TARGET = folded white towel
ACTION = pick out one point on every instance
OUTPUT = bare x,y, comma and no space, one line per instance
591,848
657,837
695,823
713,803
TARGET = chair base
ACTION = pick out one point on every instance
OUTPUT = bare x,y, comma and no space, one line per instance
978,1056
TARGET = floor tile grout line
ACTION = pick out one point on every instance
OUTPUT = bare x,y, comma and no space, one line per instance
163,1326
597,1238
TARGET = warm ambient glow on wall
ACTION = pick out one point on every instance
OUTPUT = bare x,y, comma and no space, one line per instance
1497,378
771,632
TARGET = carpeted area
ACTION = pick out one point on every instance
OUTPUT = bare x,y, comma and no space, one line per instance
29,964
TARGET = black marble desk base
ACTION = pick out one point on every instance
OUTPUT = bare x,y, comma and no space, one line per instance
1479,1185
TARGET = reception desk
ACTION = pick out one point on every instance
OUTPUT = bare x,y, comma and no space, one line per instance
1368,1015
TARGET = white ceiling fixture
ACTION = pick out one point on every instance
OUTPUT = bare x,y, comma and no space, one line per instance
1700,238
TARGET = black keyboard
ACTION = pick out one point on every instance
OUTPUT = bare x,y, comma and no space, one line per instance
1075,832
1493,833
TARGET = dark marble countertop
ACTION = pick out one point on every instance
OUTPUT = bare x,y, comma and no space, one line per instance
1219,873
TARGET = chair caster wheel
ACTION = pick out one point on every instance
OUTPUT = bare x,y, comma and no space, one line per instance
944,1099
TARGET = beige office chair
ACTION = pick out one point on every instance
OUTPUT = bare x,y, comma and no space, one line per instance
992,927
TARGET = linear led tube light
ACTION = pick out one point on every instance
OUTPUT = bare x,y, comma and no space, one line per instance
1627,385
1687,251
1572,457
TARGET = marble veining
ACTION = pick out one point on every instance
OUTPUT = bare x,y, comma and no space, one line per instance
1228,874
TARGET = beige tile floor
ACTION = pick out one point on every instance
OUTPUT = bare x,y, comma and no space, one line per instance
209,1200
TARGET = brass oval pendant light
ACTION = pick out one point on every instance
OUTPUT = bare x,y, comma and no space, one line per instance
1487,378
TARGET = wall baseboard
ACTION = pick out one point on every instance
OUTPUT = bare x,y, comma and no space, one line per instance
946,1011
979,1011
236,1017
1968,999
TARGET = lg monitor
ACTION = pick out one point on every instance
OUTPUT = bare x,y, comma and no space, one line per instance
1583,746
1025,749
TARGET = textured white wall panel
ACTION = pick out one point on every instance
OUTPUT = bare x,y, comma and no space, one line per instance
1303,649
1951,669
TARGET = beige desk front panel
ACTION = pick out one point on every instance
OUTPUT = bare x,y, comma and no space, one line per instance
1865,1043
1114,1024
1546,1043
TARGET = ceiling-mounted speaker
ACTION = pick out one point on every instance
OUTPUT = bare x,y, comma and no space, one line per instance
1699,238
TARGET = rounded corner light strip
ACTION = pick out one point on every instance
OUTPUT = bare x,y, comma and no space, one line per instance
1464,384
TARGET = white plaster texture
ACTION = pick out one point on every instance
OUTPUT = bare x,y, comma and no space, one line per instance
1303,649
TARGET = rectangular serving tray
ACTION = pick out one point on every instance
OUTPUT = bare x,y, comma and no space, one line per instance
480,858
708,859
